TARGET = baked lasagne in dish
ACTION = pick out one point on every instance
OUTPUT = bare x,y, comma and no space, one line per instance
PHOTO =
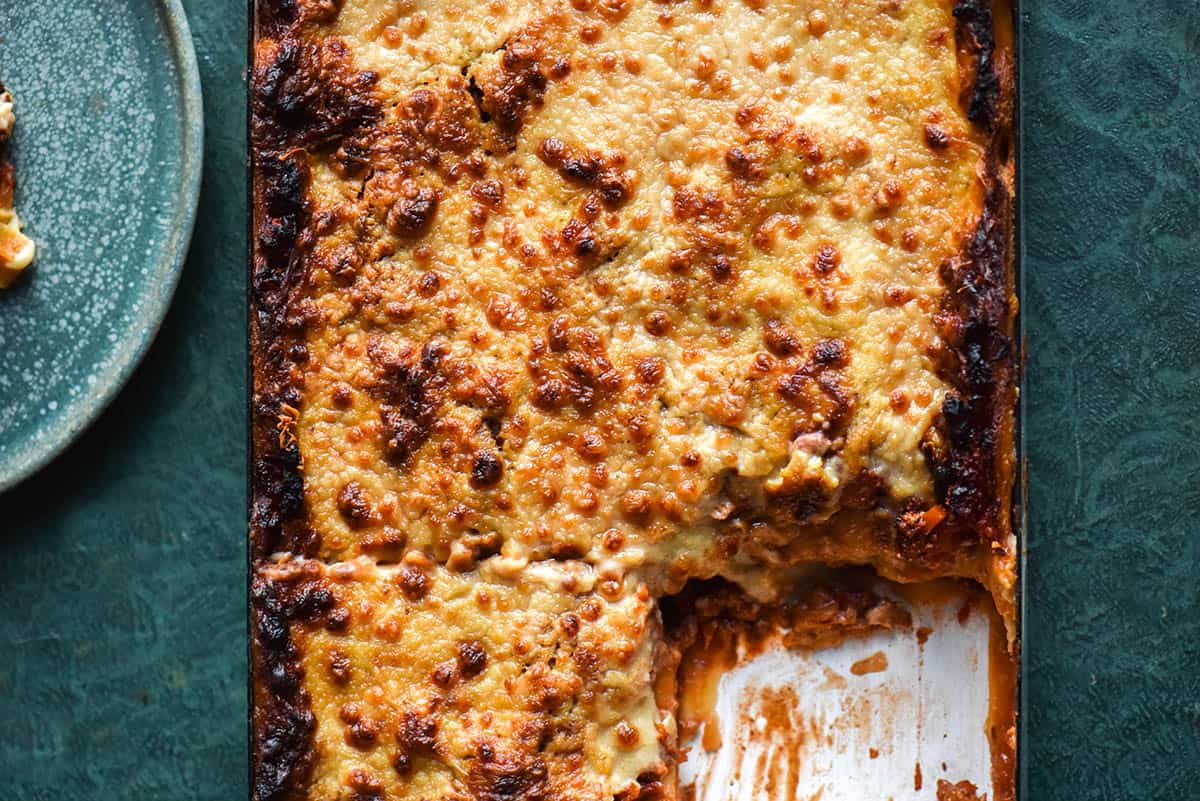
566,309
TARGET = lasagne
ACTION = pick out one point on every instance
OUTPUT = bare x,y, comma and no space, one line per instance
16,249
566,309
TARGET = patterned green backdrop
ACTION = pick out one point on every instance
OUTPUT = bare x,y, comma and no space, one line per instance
121,566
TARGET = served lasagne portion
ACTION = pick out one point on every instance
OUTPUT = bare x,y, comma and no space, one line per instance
16,249
577,305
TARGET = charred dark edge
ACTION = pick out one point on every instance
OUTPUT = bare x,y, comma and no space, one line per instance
976,30
282,722
282,719
279,181
281,214
273,17
976,418
289,114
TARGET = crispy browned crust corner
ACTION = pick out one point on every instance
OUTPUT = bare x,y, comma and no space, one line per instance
283,722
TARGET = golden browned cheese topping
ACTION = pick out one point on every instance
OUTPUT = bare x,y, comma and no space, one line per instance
581,300
426,683
615,279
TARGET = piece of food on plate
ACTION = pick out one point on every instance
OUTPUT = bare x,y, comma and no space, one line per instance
16,249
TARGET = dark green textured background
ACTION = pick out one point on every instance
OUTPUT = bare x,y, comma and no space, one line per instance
121,566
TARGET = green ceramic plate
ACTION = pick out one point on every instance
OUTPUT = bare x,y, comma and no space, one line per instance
108,148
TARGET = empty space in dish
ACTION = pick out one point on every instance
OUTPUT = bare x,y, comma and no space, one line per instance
891,714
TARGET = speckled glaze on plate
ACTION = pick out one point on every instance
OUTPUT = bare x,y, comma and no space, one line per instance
108,150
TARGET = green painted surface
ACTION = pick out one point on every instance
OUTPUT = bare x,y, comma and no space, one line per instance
1112,238
121,565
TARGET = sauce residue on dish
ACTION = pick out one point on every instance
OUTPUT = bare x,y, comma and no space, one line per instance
1002,708
875,663
772,732
728,629
962,791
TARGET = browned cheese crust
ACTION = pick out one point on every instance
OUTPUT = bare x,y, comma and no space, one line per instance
429,683
569,303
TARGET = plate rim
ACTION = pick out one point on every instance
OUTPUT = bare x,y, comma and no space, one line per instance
157,302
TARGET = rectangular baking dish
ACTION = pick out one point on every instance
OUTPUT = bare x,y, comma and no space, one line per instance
924,712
